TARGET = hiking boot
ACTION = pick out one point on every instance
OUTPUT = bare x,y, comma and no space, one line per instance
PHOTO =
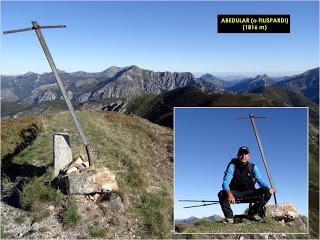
255,217
227,220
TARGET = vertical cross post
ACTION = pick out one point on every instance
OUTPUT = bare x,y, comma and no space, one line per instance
253,122
37,28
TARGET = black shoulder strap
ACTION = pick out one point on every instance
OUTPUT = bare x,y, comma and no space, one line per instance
233,161
251,166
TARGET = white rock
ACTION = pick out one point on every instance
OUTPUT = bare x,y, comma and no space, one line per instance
70,170
96,196
88,182
281,211
74,163
86,164
51,208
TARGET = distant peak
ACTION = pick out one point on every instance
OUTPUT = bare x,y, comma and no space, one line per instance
262,77
112,68
134,67
28,73
207,75
192,217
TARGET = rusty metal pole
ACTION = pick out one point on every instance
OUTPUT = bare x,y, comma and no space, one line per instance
37,28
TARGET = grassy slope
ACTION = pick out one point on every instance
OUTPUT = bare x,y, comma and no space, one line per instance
138,151
10,108
269,225
159,108
11,132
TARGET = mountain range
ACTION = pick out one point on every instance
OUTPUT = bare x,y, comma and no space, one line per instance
192,220
114,82
159,108
307,83
30,90
128,82
251,83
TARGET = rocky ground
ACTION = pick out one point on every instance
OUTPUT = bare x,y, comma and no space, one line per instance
95,222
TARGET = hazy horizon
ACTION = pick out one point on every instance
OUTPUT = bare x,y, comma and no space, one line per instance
196,74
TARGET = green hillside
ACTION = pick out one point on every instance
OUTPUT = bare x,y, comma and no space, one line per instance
288,98
10,108
159,108
139,152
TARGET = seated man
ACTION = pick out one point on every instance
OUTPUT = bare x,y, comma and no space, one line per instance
239,183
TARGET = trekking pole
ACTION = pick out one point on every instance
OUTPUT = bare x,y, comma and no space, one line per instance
202,205
37,28
253,122
205,203
197,201
211,202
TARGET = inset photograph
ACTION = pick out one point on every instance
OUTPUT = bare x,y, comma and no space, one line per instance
241,170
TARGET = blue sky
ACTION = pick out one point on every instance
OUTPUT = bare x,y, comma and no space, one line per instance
207,138
173,36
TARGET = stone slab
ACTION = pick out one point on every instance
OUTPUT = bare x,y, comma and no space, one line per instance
62,154
90,181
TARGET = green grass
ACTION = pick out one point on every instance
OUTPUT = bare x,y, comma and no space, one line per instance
19,219
43,229
83,237
35,195
7,186
97,232
10,108
70,215
5,235
153,209
40,214
268,225
179,227
114,221
313,166
134,178
37,190
135,149
141,104
12,132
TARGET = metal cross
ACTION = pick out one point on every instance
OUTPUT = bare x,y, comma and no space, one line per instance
253,122
37,28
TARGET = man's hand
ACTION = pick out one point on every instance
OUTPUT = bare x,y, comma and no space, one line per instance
231,198
272,191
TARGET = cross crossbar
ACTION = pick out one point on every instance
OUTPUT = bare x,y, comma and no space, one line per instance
32,28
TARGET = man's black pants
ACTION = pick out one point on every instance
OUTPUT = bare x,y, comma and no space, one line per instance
225,205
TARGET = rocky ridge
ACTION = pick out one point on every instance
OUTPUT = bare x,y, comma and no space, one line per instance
135,81
114,82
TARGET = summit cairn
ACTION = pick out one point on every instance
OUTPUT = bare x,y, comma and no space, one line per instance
283,211
76,177
286,214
